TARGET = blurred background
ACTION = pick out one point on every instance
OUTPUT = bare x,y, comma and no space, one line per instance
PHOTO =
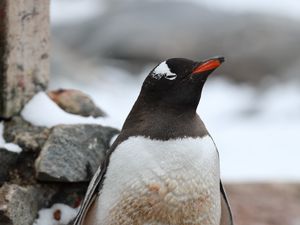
250,105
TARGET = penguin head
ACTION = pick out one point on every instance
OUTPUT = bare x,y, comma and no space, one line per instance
178,81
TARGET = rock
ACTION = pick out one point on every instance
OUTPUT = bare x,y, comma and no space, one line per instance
19,205
255,45
265,204
30,139
27,136
72,153
76,102
7,161
23,173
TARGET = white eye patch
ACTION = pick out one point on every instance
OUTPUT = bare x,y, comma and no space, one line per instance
162,70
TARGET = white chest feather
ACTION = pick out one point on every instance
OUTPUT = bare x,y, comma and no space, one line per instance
161,182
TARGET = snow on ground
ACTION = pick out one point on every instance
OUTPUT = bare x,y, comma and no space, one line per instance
56,215
257,134
42,111
8,146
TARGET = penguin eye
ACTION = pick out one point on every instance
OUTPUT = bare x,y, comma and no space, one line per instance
170,76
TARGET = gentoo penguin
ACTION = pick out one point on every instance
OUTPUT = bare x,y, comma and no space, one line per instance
163,168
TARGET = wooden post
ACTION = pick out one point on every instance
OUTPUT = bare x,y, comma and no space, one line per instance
24,52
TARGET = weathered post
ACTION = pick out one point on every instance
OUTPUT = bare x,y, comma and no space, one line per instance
24,52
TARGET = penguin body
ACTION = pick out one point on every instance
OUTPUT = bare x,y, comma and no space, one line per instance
161,182
163,169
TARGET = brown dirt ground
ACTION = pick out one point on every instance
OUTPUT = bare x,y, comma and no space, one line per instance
265,204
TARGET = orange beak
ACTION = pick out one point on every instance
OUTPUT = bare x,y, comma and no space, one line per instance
208,65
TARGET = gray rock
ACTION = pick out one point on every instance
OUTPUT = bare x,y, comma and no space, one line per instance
19,205
72,153
256,46
31,139
7,161
76,102
27,136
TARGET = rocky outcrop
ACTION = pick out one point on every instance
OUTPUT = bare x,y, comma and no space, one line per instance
53,165
65,156
27,136
7,160
75,102
73,153
19,205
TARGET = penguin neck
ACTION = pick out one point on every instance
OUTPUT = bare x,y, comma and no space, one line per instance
163,121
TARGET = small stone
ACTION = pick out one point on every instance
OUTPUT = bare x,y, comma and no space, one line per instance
73,153
20,205
27,136
57,215
7,161
75,102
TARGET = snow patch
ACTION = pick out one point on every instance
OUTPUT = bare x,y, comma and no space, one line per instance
8,146
42,111
257,134
58,214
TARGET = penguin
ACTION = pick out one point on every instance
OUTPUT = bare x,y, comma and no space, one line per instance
163,168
